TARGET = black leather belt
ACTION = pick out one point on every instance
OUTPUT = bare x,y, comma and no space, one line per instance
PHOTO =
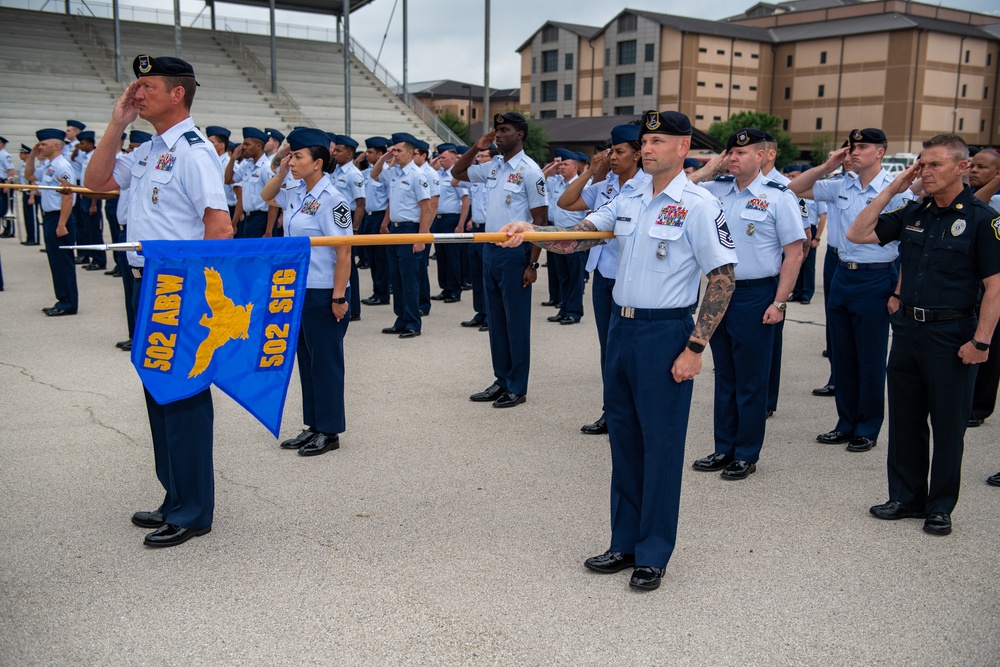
936,314
833,249
860,266
479,226
754,282
397,224
654,313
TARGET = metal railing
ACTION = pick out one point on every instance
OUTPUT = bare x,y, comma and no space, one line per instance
261,76
396,88
101,48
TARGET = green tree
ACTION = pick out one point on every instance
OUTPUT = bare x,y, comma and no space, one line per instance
820,147
455,124
787,151
536,144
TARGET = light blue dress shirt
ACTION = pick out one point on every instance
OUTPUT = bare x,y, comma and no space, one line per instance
513,189
322,211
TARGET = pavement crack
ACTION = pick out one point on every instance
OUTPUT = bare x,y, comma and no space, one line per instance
24,371
94,418
254,489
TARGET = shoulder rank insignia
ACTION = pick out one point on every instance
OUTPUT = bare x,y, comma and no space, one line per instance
725,238
342,215
166,162
803,208
757,204
540,186
776,184
672,216
193,138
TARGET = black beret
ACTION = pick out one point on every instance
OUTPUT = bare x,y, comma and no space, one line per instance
145,65
869,135
745,136
769,137
673,123
510,118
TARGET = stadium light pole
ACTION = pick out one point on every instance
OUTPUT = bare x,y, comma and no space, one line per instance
406,82
177,28
486,74
347,66
118,41
274,53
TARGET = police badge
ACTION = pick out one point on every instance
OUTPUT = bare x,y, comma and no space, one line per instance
958,227
145,67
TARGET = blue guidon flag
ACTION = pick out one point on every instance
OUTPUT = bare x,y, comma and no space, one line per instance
224,313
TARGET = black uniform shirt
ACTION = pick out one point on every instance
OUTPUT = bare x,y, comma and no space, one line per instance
944,253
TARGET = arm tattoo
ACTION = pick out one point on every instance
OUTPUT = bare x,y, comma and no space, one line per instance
721,286
567,247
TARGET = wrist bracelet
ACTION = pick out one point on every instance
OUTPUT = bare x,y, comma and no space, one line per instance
896,297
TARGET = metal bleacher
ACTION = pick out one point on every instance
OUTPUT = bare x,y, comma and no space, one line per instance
58,66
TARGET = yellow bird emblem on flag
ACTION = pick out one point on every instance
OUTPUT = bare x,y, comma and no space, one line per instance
228,321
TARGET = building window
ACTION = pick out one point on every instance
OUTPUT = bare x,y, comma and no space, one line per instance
534,64
607,57
753,88
699,117
718,85
549,91
788,93
568,92
461,111
702,50
551,113
966,56
737,54
961,122
605,88
627,23
822,57
822,91
784,124
626,52
963,90
650,52
550,33
788,61
625,85
550,61
986,92
989,59
532,94
720,52
569,61
754,56
701,84
647,85
473,113
624,111
717,119
736,86
982,125
819,123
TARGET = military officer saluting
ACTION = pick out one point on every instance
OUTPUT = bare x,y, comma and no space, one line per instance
669,232
347,178
949,243
376,202
174,187
250,174
766,222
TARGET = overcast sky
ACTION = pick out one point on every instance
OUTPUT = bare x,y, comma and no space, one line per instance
446,36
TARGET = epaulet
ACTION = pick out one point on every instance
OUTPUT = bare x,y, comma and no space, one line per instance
776,184
726,179
193,138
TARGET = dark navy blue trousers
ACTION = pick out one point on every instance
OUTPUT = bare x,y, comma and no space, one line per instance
830,262
601,289
859,330
61,261
320,354
449,256
741,350
508,310
90,230
927,379
569,273
647,415
404,275
476,266
254,225
182,452
378,261
30,219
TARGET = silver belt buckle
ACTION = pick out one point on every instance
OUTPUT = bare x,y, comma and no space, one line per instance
919,314
628,313
136,271
853,266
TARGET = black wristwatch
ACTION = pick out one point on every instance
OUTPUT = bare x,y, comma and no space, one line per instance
697,348
339,299
982,347
533,265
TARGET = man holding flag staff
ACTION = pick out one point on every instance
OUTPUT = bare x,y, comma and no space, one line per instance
317,208
174,188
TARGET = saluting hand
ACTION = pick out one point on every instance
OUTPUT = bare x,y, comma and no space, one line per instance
486,140
285,166
904,180
836,159
598,160
126,107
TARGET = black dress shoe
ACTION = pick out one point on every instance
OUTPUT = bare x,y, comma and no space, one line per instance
993,480
484,326
127,347
114,272
80,260
768,414
372,301
859,443
466,286
550,303
975,422
555,318
424,313
738,470
491,394
148,519
712,462
938,523
393,330
169,535
828,390
597,428
59,312
609,562
509,400
805,302
569,320
409,333
439,297
299,440
452,299
321,444
355,318
893,510
48,308
646,578
833,438
472,323
122,343
94,267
